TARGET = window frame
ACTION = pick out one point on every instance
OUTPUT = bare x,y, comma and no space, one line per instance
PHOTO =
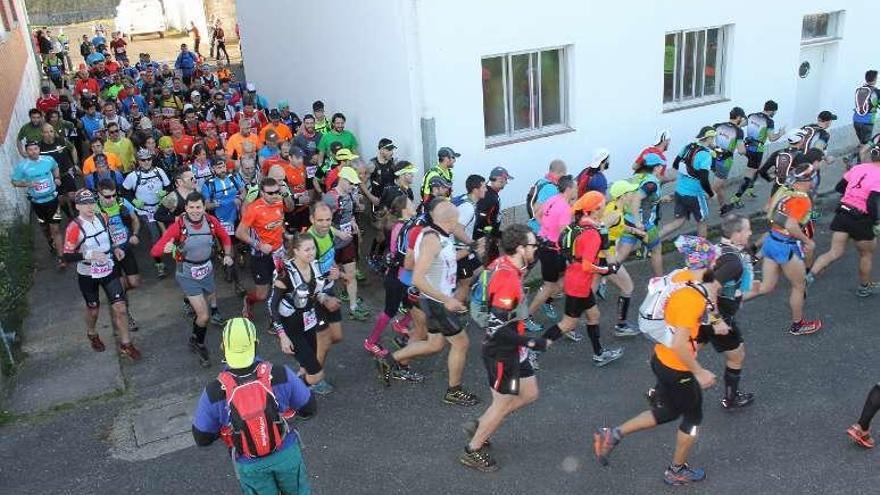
680,36
834,23
536,128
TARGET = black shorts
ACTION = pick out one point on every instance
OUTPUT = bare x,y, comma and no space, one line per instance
440,319
347,254
722,343
576,306
552,264
691,206
262,268
467,267
305,343
504,376
47,212
863,132
128,264
68,183
111,284
677,394
857,225
754,159
395,293
329,316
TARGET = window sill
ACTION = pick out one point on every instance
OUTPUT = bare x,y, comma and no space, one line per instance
496,142
675,107
821,41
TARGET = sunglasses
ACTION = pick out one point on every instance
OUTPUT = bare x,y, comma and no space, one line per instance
114,131
272,193
108,196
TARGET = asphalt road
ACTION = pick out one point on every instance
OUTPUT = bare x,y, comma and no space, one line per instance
368,440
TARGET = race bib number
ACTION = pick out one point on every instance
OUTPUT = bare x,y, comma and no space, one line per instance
228,227
199,272
150,213
310,171
346,227
278,254
42,186
310,320
101,270
119,234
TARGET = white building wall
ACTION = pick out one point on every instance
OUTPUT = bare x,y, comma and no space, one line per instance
387,64
616,72
179,13
349,54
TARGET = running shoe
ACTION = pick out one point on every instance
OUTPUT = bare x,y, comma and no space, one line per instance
216,318
129,351
95,341
405,374
201,351
625,329
861,437
160,271
399,327
573,336
602,290
867,290
805,327
603,443
683,475
470,429
375,349
246,309
739,401
549,311
359,275
343,295
815,215
132,323
322,388
607,356
750,191
460,397
479,460
533,360
400,341
358,313
532,325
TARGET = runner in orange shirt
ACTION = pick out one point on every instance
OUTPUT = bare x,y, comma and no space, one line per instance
183,143
290,160
97,146
276,125
235,142
262,228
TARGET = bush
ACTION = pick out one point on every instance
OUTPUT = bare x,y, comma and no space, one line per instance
16,277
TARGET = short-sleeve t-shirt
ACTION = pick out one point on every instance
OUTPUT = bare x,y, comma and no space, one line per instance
686,185
684,310
29,132
345,138
39,174
265,221
578,276
556,215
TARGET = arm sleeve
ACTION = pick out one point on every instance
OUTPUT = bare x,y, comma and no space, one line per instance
703,175
206,425
275,295
71,240
172,232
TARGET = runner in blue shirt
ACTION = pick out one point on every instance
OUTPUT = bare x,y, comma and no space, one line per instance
224,194
693,187
40,176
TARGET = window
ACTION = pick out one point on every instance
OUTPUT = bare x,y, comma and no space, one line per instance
4,17
523,95
693,67
13,11
820,27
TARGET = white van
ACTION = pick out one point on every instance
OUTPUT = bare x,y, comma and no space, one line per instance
140,17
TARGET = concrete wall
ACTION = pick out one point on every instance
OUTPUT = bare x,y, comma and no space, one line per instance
359,67
615,69
19,80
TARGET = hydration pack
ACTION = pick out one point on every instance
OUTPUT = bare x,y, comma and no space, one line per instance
256,427
652,311
863,100
533,194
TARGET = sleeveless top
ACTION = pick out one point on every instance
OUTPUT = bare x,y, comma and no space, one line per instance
441,272
94,236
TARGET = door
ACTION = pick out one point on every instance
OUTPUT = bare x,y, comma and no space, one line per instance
809,90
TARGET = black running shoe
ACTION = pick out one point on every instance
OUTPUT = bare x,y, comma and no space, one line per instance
405,374
460,397
479,460
738,401
201,351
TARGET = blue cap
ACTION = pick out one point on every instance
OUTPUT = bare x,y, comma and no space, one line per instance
652,160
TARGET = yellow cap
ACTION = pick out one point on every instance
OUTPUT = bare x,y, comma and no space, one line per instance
165,142
239,342
345,154
621,187
349,174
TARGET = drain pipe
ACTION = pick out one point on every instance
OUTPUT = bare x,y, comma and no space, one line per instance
418,79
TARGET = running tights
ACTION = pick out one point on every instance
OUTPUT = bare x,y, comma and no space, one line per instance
593,332
872,405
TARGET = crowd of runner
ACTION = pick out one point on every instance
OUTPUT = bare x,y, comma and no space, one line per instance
196,166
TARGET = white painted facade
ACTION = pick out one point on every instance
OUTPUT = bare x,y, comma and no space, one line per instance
388,64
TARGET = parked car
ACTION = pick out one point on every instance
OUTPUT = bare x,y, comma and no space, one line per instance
135,17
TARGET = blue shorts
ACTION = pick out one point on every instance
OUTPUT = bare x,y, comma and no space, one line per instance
650,242
781,248
691,206
721,168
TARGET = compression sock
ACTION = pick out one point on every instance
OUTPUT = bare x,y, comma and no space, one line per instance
199,333
872,405
381,322
593,332
404,320
622,307
731,382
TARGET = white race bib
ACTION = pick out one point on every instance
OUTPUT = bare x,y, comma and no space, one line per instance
310,319
101,270
346,227
119,234
310,171
228,227
42,186
199,272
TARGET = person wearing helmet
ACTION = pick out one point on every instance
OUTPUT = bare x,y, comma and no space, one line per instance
788,241
693,187
760,128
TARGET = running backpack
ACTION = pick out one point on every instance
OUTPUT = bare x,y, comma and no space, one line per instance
256,427
567,237
479,298
687,156
331,178
104,230
784,160
864,96
533,194
583,179
652,311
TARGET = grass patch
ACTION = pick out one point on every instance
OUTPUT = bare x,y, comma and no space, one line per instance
16,278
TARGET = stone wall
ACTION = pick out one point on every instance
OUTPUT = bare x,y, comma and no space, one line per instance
62,12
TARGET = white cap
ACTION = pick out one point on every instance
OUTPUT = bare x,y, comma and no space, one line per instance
796,136
251,87
599,156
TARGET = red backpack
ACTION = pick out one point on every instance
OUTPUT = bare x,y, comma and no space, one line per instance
256,427
332,178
